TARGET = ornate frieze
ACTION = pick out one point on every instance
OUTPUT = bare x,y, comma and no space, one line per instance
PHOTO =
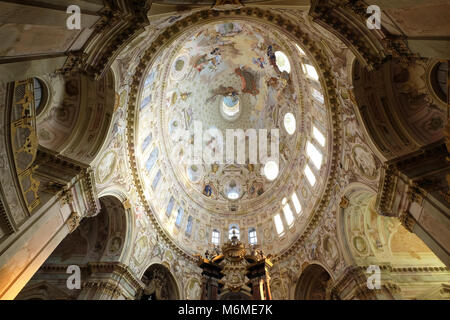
73,221
24,141
387,191
407,220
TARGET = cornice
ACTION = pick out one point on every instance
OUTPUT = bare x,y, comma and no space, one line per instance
99,267
386,192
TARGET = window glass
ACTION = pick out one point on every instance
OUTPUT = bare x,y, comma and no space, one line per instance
170,206
319,136
215,237
296,202
278,224
310,175
252,239
314,154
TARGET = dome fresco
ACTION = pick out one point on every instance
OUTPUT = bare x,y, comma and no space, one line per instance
227,76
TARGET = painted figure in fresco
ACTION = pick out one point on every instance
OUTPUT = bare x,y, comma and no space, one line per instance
271,56
259,62
228,29
184,95
223,91
216,51
204,61
256,189
207,191
248,80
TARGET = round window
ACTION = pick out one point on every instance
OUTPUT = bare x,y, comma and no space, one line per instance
271,170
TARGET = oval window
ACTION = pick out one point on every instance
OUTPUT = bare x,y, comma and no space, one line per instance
289,123
271,170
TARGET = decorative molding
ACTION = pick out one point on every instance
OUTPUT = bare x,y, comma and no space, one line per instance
108,287
415,194
344,202
386,191
73,221
66,196
222,5
24,142
352,284
118,268
5,219
407,220
89,186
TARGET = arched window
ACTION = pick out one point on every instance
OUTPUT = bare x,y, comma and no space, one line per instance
310,71
278,224
152,159
189,225
320,138
179,216
40,95
252,238
156,179
234,231
215,239
282,62
314,155
296,202
439,76
310,175
147,141
288,215
145,102
317,95
170,205
300,50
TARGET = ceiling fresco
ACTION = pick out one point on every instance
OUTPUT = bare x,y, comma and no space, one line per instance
219,67
232,74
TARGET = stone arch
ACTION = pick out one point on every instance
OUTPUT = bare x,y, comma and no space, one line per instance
42,291
96,246
97,239
160,284
370,239
351,192
313,283
78,115
128,232
398,109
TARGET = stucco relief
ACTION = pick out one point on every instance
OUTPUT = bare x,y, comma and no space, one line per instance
193,289
364,161
106,167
